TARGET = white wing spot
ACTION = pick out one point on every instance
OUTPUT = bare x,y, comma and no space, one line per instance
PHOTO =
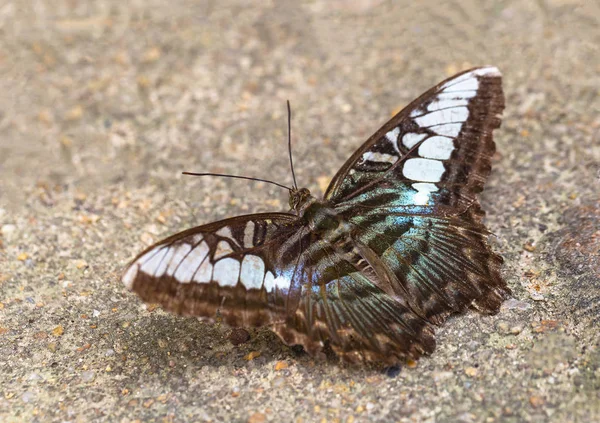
464,95
458,79
149,255
225,232
448,129
227,272
249,234
467,84
424,190
282,282
187,268
437,148
488,71
392,136
423,170
130,275
444,116
223,249
379,157
411,139
149,267
179,254
253,272
204,273
441,103
471,76
269,282
162,267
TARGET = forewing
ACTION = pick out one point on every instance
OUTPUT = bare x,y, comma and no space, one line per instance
242,267
436,151
415,217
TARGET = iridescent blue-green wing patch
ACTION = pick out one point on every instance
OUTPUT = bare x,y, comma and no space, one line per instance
439,264
343,305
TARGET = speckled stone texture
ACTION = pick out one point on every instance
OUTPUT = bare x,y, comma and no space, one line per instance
104,103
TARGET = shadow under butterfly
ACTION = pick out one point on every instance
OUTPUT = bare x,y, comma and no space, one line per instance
395,246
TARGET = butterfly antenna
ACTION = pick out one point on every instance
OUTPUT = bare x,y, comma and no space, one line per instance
223,175
290,142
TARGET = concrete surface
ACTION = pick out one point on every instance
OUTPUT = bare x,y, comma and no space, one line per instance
104,103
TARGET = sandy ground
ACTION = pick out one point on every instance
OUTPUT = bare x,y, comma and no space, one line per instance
104,103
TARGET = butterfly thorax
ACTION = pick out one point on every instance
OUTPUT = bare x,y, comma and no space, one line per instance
318,215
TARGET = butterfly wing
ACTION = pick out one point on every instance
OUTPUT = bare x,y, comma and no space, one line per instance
270,270
409,193
436,151
343,304
243,267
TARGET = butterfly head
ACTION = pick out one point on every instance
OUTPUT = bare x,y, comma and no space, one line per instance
299,197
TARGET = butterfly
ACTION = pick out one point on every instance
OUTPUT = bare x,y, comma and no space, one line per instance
395,246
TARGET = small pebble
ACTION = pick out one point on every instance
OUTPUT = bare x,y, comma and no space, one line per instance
28,396
239,336
22,256
535,296
257,418
514,304
502,327
471,371
252,355
515,330
392,371
8,231
34,376
280,365
88,376
536,401
278,382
